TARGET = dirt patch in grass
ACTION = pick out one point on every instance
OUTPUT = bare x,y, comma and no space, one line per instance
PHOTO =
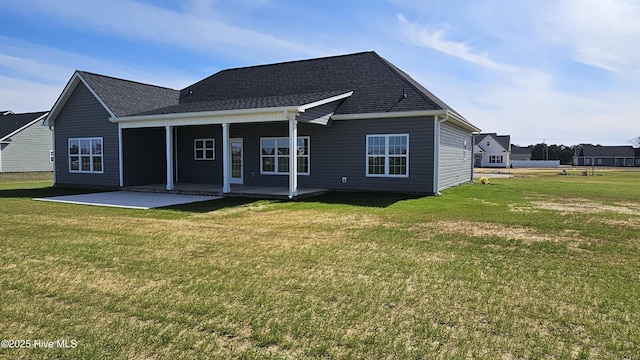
576,205
584,206
484,229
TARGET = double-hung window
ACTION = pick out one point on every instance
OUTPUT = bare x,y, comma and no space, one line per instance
496,159
274,155
388,155
204,149
85,155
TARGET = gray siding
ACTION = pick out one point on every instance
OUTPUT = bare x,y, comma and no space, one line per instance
340,150
28,150
455,157
194,171
83,116
334,151
144,158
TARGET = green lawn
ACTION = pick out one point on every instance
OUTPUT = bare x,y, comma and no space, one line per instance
537,266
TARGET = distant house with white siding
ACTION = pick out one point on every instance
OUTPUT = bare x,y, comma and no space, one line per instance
492,150
25,144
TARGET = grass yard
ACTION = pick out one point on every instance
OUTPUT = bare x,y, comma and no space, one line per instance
536,266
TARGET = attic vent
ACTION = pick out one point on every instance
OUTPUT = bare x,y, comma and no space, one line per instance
402,97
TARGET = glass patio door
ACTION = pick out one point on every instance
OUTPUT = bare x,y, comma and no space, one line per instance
237,154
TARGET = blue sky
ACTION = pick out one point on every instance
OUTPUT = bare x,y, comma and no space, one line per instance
564,71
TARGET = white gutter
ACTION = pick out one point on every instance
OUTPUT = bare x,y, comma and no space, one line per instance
203,114
396,114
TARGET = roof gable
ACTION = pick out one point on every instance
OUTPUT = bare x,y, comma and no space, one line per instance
11,124
119,97
125,97
502,140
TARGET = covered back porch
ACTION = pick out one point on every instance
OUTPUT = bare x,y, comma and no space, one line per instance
204,152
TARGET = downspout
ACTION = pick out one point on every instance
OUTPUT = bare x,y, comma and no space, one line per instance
436,151
53,148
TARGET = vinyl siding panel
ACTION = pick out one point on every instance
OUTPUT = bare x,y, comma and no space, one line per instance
455,156
144,159
28,150
194,171
335,151
83,116
340,151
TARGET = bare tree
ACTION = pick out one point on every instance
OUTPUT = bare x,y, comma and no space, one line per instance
636,141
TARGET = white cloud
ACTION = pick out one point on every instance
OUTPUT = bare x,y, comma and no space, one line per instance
21,95
599,33
435,39
196,28
32,76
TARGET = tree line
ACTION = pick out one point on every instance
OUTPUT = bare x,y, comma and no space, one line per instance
553,152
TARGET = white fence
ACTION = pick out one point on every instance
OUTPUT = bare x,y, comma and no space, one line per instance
535,163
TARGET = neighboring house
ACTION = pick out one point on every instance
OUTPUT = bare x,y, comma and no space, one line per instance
25,145
520,153
492,150
355,122
590,155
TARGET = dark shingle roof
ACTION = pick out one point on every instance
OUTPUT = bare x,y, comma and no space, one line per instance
11,122
378,86
126,97
519,150
607,151
250,103
503,140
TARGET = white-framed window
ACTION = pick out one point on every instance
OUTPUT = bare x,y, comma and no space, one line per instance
204,149
388,155
464,149
496,159
50,155
274,155
85,155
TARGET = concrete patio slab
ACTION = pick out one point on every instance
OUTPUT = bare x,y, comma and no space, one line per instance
129,199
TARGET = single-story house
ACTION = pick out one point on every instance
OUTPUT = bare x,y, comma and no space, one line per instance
520,153
354,122
492,150
25,145
597,155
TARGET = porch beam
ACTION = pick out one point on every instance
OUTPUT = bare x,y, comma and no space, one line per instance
226,178
169,150
293,158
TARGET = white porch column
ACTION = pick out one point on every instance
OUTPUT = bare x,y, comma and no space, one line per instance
169,148
293,158
226,173
119,156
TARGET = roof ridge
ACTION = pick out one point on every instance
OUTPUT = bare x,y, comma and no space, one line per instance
278,64
301,60
125,80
